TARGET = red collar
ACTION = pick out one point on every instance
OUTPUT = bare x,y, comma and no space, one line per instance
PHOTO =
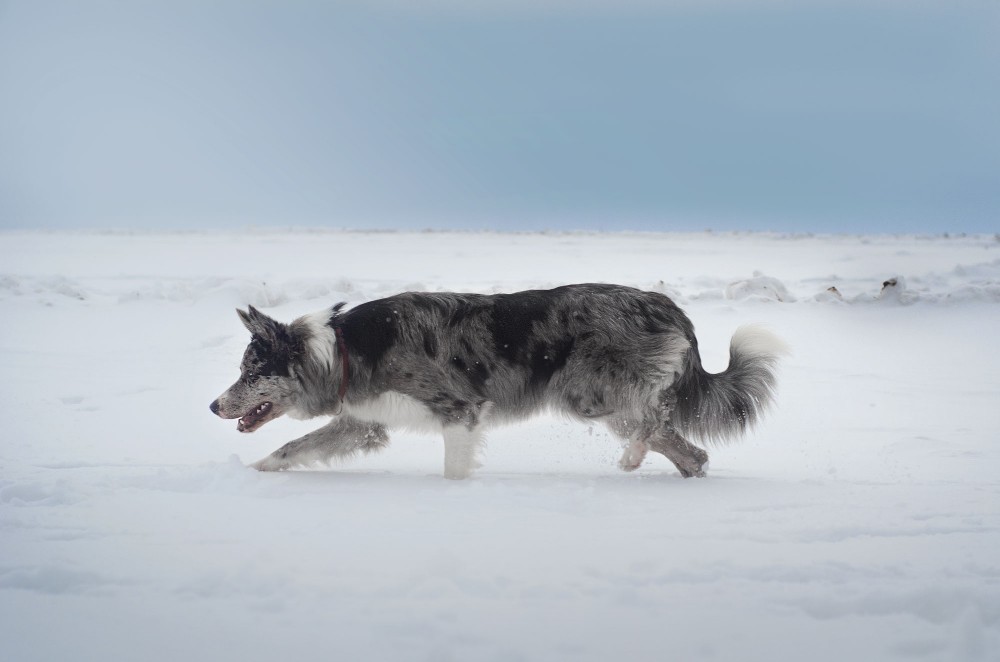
342,349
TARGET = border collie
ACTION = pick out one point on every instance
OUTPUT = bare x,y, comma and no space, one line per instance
458,364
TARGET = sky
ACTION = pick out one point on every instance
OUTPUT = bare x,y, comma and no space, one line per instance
849,116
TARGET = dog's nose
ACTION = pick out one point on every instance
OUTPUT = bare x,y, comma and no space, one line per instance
214,407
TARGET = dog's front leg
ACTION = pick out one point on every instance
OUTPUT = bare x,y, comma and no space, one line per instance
461,446
340,438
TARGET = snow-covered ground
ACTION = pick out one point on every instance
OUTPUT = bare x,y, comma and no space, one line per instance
861,520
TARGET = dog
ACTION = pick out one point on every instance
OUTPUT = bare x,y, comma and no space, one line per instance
458,364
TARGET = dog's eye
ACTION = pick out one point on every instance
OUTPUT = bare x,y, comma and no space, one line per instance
251,374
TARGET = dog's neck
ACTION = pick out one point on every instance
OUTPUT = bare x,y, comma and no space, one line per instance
345,369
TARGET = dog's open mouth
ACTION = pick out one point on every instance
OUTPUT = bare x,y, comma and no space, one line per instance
255,418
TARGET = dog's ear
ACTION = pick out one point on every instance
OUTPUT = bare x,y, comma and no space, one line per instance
261,326
245,318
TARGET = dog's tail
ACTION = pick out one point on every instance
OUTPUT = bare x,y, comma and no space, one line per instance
724,405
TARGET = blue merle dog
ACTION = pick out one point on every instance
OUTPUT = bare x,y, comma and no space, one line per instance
457,364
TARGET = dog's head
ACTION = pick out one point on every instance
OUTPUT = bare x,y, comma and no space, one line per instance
267,387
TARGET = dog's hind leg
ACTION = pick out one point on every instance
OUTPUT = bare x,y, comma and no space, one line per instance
634,436
340,438
688,458
664,438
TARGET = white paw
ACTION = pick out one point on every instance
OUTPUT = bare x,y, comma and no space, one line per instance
628,463
457,474
270,463
633,456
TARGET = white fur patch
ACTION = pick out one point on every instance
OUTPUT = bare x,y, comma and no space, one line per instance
756,341
395,410
461,446
322,340
298,414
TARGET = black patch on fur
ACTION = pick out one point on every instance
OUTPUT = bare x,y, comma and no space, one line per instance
369,330
547,359
513,320
478,375
271,359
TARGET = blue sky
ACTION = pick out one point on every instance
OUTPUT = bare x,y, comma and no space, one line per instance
877,116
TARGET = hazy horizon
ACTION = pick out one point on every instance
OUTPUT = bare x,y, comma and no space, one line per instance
730,115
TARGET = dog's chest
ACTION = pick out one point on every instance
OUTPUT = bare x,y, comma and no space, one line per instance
395,410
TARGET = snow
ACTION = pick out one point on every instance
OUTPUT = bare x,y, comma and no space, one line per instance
861,520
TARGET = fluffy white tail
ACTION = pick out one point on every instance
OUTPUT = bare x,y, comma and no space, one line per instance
724,405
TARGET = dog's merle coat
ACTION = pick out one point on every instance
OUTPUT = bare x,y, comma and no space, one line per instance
458,363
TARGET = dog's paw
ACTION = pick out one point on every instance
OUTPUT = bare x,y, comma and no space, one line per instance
693,470
629,464
633,456
270,463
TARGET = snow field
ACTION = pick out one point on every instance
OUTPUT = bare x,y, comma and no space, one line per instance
860,520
